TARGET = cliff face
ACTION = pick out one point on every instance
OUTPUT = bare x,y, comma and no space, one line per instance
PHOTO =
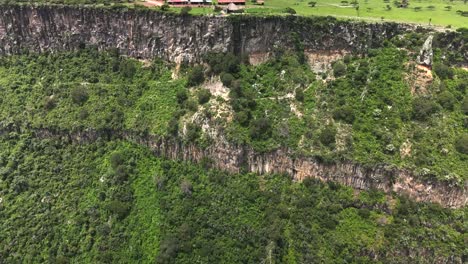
148,34
234,159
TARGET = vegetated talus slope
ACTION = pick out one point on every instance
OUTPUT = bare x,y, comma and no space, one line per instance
115,202
362,127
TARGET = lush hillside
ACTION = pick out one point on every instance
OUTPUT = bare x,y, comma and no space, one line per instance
113,202
372,109
76,199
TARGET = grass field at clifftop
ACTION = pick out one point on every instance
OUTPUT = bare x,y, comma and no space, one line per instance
440,12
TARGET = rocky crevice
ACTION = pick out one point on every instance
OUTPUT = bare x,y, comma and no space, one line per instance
239,158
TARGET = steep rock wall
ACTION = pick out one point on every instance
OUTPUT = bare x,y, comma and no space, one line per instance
234,158
148,34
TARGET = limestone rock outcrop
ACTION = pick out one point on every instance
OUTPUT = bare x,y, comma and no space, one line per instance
426,54
240,158
147,34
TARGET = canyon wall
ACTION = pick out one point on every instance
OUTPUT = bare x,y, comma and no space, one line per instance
147,34
236,158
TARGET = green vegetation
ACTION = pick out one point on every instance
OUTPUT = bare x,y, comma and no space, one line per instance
87,89
114,202
361,109
111,201
426,12
365,113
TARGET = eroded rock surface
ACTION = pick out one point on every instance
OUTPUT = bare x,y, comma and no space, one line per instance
147,34
238,158
426,54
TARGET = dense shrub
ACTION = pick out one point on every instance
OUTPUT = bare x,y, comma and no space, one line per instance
173,126
50,102
79,95
299,95
127,68
289,10
339,69
464,105
120,209
192,105
461,144
193,132
227,79
204,96
446,100
344,113
423,108
260,128
443,71
327,136
196,76
181,96
116,160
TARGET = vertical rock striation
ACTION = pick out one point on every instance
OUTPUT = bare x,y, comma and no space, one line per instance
148,34
236,158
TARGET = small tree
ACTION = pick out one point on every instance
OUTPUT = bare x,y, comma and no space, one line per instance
204,96
289,10
339,69
312,4
165,7
120,209
464,105
327,136
185,10
443,71
447,100
196,76
461,144
79,95
227,79
423,108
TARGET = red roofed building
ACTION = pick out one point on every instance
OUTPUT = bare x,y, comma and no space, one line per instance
227,2
178,2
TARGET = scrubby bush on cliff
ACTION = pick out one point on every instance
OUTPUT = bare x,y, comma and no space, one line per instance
193,132
464,105
344,113
227,79
79,95
220,62
289,10
423,108
339,69
260,128
443,71
327,136
447,100
462,144
204,96
196,76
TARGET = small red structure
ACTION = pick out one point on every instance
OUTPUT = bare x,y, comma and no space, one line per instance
227,2
178,2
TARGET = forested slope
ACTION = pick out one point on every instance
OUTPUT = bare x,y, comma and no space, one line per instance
67,196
